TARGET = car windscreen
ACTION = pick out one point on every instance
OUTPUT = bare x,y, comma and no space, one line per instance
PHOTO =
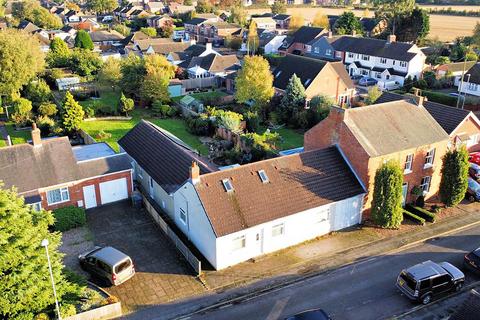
473,185
122,266
411,283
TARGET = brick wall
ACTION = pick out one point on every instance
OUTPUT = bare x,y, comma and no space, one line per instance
469,127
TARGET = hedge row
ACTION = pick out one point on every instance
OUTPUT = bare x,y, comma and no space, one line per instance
68,218
440,98
427,215
413,217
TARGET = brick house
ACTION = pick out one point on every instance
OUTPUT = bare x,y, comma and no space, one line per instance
51,174
297,43
402,131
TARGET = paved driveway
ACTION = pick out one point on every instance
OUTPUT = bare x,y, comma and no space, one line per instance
162,274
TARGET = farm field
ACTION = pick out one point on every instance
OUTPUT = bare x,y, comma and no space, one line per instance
446,28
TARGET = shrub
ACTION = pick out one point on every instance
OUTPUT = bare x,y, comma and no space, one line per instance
440,98
427,215
163,110
102,135
261,145
47,109
41,316
436,209
454,182
229,120
252,120
105,110
67,310
413,217
74,277
46,125
109,300
89,112
68,218
199,126
126,104
420,202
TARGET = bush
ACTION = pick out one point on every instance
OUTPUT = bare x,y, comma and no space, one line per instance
47,109
413,217
261,145
105,110
89,112
420,202
200,126
163,110
102,135
67,310
46,125
436,209
41,316
252,120
68,218
427,215
440,98
109,300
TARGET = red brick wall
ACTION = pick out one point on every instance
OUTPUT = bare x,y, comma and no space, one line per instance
75,190
469,127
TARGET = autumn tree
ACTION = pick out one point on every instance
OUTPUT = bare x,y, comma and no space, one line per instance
348,23
101,6
59,53
296,22
279,6
373,94
321,20
454,182
72,114
238,15
254,82
110,73
149,31
32,11
253,39
133,71
158,73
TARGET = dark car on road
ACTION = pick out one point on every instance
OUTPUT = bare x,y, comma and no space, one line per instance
472,260
367,81
473,190
426,280
316,314
474,171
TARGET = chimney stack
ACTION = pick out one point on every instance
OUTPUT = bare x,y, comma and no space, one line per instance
354,33
195,173
330,34
421,101
208,46
36,138
391,38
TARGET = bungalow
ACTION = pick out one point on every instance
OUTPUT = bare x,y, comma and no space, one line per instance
50,174
369,136
240,213
103,39
454,69
211,65
317,76
271,42
297,43
471,81
266,23
159,46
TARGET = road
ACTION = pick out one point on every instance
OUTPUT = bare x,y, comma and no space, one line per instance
362,291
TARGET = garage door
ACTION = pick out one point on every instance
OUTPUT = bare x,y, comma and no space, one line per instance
114,190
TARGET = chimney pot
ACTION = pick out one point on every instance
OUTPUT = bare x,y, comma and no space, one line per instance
36,137
391,38
195,173
330,34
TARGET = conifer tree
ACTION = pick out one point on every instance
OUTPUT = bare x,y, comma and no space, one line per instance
454,181
72,114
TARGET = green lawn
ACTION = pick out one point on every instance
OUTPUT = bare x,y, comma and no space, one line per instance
290,139
18,137
3,143
118,128
107,100
203,95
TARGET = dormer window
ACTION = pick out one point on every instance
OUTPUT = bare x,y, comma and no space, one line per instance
263,176
227,185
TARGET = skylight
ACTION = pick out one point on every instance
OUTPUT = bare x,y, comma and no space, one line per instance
278,73
307,82
227,185
263,176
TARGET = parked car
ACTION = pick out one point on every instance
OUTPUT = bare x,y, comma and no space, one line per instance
316,314
367,81
474,157
108,264
473,190
474,171
428,279
472,260
356,78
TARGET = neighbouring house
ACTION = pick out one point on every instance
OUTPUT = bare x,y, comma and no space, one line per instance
401,131
271,42
454,69
388,61
318,77
217,32
105,40
462,125
372,26
158,46
266,23
159,22
155,7
178,8
282,21
28,27
130,11
183,58
471,81
297,43
240,213
211,65
50,174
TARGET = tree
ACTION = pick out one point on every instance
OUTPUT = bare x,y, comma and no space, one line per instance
204,6
321,20
72,114
149,31
133,71
413,27
37,92
48,109
373,94
476,35
394,10
122,29
166,31
159,72
348,23
85,62
101,6
83,40
454,182
25,283
293,100
230,120
254,81
387,208
408,84
238,15
253,40
296,22
59,53
22,111
110,73
20,60
126,104
279,7
32,11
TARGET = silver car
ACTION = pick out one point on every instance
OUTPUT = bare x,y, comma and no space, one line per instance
108,263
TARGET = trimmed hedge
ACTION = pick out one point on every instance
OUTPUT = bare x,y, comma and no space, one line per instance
68,218
439,97
430,217
413,217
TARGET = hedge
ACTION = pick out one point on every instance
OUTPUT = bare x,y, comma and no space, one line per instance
413,217
440,98
430,217
68,218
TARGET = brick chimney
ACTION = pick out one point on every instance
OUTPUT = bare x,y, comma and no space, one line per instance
195,173
330,34
354,33
36,138
391,38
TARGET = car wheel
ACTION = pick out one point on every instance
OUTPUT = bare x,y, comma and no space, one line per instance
458,286
426,299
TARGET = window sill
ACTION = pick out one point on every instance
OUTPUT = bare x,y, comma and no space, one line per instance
427,166
405,172
51,204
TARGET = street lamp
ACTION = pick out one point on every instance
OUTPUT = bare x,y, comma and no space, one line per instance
45,244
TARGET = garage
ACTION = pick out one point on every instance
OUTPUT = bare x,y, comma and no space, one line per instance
113,190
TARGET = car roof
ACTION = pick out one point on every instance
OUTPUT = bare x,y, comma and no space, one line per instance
474,165
316,314
426,269
452,270
110,255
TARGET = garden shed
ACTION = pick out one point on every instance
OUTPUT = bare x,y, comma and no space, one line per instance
191,104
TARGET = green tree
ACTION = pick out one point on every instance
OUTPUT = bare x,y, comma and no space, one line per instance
238,15
22,111
387,196
149,31
252,41
85,62
59,53
454,182
392,11
102,6
83,40
254,82
32,11
203,6
230,120
408,84
38,92
321,20
110,73
158,74
373,94
133,71
72,114
48,109
348,23
413,27
122,29
20,60
126,104
319,109
279,7
293,100
25,282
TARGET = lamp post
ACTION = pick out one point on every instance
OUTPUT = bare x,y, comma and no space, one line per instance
45,244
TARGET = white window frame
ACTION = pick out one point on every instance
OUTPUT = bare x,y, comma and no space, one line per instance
429,159
365,57
323,215
425,184
316,50
239,243
183,216
408,164
383,60
278,230
350,55
328,52
473,140
403,64
37,206
64,195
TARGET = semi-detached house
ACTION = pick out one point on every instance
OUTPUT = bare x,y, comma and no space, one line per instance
237,214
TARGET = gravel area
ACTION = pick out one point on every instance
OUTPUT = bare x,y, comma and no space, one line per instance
74,242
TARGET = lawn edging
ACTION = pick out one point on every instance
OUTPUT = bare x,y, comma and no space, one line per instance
107,118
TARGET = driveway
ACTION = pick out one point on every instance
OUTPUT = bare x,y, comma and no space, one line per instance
162,275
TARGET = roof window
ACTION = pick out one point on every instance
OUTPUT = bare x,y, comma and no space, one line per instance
227,185
278,73
307,82
263,176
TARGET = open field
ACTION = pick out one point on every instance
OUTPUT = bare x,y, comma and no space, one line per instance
446,28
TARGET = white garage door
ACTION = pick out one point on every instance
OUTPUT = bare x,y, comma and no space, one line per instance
114,190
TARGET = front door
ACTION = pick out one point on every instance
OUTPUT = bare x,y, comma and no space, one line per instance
404,193
89,196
